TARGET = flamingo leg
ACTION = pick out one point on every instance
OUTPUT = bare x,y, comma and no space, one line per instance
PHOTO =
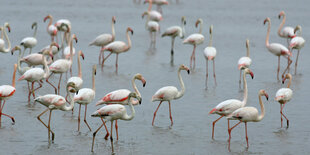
38,117
40,85
207,73
94,135
287,121
240,79
172,52
296,62
29,93
214,72
170,113
156,112
51,83
116,64
32,89
229,132
85,118
281,115
1,108
59,83
49,125
106,129
100,54
288,66
278,70
111,137
79,119
0,111
213,125
103,60
116,129
246,135
192,56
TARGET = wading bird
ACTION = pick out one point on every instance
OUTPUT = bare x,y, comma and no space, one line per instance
210,53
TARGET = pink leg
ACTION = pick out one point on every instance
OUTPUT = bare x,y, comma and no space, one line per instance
100,54
0,111
170,113
229,132
104,59
281,115
288,66
85,118
32,89
111,137
213,124
278,70
29,93
156,112
287,121
13,120
116,129
246,135
214,73
296,62
207,73
44,123
94,135
59,83
49,125
116,63
51,83
192,56
79,118
240,79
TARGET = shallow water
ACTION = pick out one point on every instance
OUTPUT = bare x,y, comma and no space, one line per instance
233,21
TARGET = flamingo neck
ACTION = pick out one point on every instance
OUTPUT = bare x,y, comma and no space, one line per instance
210,42
50,22
289,82
200,28
18,62
129,41
247,49
245,88
267,36
281,26
93,81
180,93
183,29
261,116
7,39
35,31
113,31
150,5
79,66
14,75
135,86
133,113
71,49
47,70
70,107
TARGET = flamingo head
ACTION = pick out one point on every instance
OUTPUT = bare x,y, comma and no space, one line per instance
298,27
267,20
81,54
198,22
141,78
213,111
14,49
129,29
183,20
7,25
134,95
34,24
144,13
183,67
211,29
263,92
94,69
47,17
54,44
113,19
75,38
248,71
281,14
287,76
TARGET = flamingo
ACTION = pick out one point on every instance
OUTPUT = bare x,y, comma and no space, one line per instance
104,39
7,91
227,107
77,80
64,25
195,39
61,66
277,49
54,102
20,69
283,96
287,32
159,3
152,14
118,47
245,61
85,96
51,29
45,50
247,114
298,43
173,32
153,27
114,112
30,42
120,97
2,43
67,50
169,93
210,53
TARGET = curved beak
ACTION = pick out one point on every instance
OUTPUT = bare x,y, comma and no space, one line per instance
252,75
82,56
9,28
267,96
144,82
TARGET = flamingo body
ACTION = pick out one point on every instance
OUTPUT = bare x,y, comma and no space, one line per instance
33,74
165,94
29,42
6,91
209,53
102,40
33,59
194,39
278,49
84,96
244,62
60,66
284,95
153,26
297,42
67,51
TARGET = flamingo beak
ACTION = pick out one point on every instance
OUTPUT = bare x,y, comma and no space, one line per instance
252,75
82,56
212,111
12,51
76,40
9,28
45,18
188,71
144,82
267,96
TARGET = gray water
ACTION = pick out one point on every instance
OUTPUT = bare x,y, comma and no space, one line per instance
233,21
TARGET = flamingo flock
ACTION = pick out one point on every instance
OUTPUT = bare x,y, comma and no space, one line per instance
36,67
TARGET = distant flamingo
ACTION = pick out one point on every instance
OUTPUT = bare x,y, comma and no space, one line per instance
210,53
60,66
159,3
298,43
169,93
244,62
153,28
67,50
226,107
30,42
45,50
195,39
284,95
114,112
173,32
104,39
64,25
118,47
20,69
277,49
152,14
77,80
287,32
2,42
247,114
85,96
54,102
7,91
51,29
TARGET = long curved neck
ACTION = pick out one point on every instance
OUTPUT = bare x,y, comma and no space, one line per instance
261,116
210,42
183,29
47,70
8,40
245,89
113,31
129,41
18,61
71,49
247,50
181,93
150,5
289,82
281,26
93,82
35,31
200,28
135,87
14,74
50,22
70,107
132,115
268,32
79,66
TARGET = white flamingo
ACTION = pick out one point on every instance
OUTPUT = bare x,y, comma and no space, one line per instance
20,69
169,93
210,53
245,61
51,29
104,39
247,114
30,42
152,14
286,32
173,32
153,28
277,49
77,80
226,107
67,50
2,42
159,3
64,25
195,39
283,96
298,43
7,91
54,102
85,96
114,112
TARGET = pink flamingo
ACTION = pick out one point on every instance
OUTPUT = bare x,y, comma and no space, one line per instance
104,39
152,14
85,96
284,95
169,93
51,29
77,80
7,91
30,42
227,107
287,32
2,42
277,49
61,66
159,3
118,47
54,102
247,114
195,39
120,97
20,69
173,32
210,53
153,27
64,25
245,61
298,43
114,112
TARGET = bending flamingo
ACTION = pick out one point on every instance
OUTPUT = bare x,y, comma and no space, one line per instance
51,29
77,80
7,91
64,25
152,14
210,53
298,43
244,62
30,42
173,32
2,42
54,102
104,39
226,107
114,112
288,31
85,96
284,95
169,93
20,69
195,39
277,49
159,3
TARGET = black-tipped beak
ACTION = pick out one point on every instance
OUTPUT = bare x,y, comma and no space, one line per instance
131,32
95,72
144,84
76,92
140,101
188,71
184,22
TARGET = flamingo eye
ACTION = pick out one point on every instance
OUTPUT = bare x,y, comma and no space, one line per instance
221,110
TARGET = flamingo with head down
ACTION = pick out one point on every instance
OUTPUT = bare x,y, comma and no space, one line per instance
2,42
298,43
30,42
245,61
